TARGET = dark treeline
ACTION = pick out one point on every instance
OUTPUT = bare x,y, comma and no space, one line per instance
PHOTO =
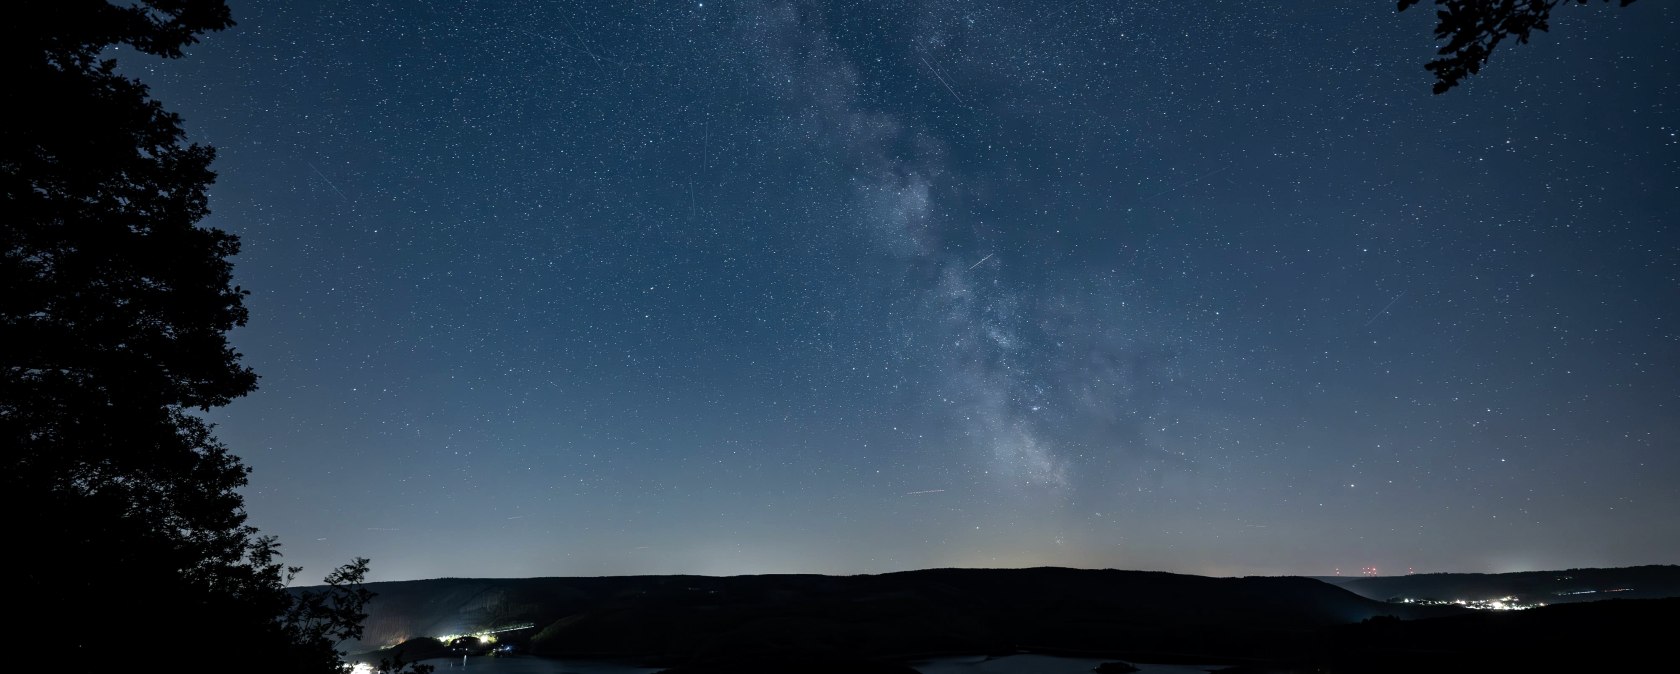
128,538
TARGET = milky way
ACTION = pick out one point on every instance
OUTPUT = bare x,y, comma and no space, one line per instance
749,287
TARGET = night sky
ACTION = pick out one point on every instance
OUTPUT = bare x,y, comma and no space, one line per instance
740,287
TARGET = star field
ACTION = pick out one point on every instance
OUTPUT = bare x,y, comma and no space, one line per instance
743,287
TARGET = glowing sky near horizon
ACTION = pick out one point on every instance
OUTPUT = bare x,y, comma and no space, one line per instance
746,287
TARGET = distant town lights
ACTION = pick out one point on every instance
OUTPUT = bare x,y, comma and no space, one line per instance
1500,604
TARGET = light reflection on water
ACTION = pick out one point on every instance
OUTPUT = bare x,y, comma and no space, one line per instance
1012,664
534,665
1040,664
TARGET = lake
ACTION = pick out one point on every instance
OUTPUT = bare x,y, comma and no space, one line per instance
524,664
1040,664
1010,664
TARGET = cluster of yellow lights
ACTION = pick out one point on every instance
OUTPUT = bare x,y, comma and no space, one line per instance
486,637
1500,604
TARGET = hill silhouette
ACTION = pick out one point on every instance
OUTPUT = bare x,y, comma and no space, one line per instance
1549,587
700,621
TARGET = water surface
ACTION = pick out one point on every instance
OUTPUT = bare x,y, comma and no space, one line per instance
525,664
1010,664
1040,664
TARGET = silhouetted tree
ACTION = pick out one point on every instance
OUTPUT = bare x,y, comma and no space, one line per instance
1474,28
114,307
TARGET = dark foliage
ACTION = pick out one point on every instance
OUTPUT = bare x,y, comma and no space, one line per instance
132,541
1474,28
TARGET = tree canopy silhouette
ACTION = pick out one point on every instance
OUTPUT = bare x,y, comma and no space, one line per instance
114,317
1474,28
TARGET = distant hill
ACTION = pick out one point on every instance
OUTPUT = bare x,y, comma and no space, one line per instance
1549,587
699,619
